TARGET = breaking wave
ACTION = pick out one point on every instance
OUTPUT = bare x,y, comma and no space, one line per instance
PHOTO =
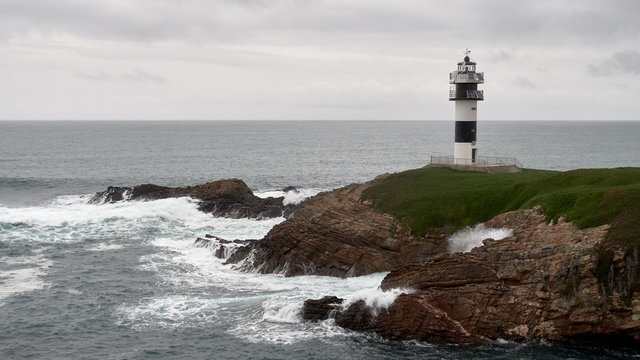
471,237
256,307
294,197
192,288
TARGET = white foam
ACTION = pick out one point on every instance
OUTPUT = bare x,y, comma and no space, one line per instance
71,219
375,298
268,309
73,210
256,307
168,312
294,197
105,247
260,331
24,278
290,313
253,306
269,193
471,237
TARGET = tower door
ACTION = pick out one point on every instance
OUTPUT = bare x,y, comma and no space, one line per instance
473,155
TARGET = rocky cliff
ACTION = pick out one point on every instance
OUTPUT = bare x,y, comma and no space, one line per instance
546,281
228,198
337,234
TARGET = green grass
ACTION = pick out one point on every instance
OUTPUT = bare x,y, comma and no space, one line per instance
442,199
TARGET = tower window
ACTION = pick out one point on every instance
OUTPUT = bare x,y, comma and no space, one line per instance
473,108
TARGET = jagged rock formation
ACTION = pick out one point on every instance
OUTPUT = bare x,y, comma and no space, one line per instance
318,310
228,198
544,282
337,234
220,247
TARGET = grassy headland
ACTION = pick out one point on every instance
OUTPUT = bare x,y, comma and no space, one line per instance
442,199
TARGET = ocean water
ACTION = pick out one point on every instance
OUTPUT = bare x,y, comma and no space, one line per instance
124,281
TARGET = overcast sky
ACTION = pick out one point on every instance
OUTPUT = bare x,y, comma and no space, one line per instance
316,59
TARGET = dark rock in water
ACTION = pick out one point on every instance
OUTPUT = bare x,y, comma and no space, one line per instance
290,188
112,194
226,198
336,234
203,243
220,252
357,316
209,241
318,310
254,208
210,238
151,192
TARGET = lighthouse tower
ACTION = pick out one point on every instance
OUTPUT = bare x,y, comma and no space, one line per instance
464,91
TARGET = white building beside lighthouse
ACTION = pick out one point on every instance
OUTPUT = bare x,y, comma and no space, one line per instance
464,91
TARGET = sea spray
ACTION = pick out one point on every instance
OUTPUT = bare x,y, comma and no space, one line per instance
375,298
291,197
70,219
265,307
471,237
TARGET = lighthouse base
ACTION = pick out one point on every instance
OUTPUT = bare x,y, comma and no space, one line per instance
483,168
465,153
490,164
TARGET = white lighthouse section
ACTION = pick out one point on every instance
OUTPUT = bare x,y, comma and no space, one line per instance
466,110
465,152
464,91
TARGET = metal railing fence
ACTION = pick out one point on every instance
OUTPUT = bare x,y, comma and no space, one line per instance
438,159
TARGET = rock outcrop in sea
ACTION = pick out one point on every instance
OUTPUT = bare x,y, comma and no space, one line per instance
336,234
546,281
226,198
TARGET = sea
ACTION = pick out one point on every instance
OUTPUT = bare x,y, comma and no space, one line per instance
125,280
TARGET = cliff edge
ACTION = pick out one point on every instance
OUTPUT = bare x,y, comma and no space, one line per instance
543,282
335,233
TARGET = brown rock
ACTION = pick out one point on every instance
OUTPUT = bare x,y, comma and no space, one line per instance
228,198
357,317
321,309
336,234
219,246
539,283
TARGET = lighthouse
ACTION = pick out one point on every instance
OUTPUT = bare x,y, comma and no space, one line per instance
464,91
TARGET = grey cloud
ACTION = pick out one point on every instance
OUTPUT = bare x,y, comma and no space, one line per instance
524,83
138,75
128,20
99,76
241,52
500,56
550,22
620,62
135,75
436,23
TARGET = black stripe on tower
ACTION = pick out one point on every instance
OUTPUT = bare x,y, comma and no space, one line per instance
465,131
461,89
